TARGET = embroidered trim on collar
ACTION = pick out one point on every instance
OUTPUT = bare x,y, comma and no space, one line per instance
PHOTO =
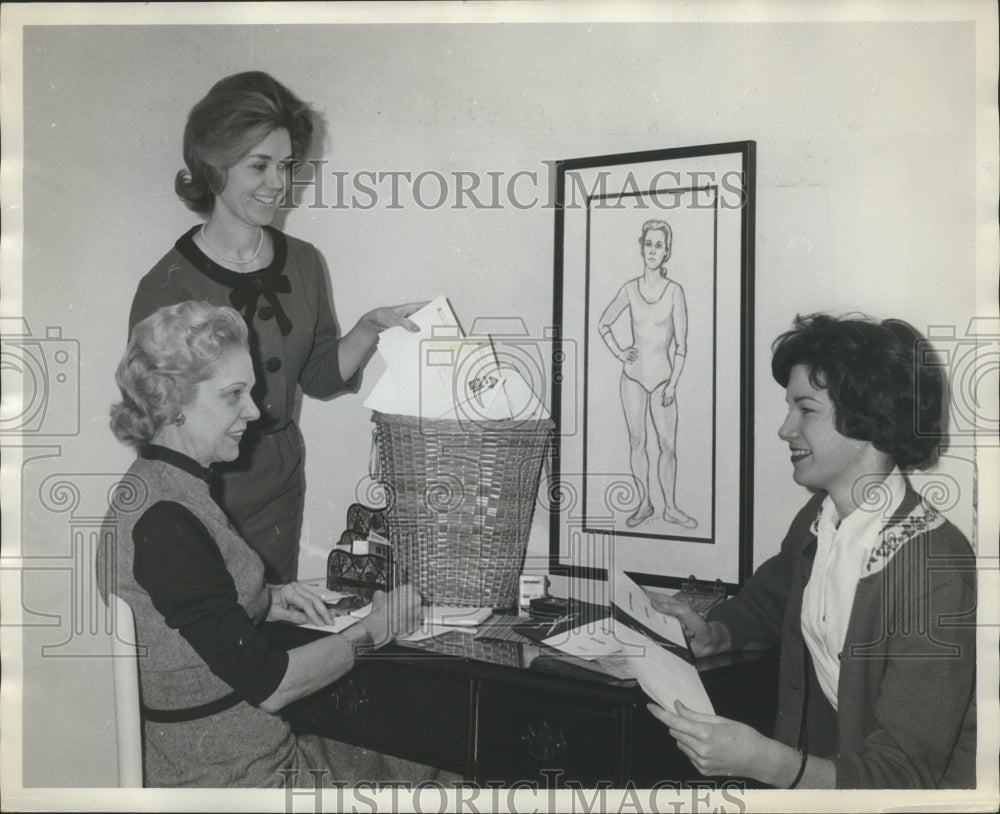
894,536
922,519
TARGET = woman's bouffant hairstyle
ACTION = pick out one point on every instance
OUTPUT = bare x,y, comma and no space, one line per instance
237,113
886,383
168,353
659,226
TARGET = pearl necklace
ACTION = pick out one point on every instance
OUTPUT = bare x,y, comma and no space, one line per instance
236,262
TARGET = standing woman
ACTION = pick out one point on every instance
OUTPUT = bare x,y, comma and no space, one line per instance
651,368
239,145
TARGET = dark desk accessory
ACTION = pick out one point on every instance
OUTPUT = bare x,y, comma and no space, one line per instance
361,574
363,519
701,594
548,607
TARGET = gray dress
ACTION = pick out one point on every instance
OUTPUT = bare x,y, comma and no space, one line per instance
197,599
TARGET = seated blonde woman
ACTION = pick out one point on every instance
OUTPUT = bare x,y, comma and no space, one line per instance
212,685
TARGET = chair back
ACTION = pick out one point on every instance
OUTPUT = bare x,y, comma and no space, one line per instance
125,665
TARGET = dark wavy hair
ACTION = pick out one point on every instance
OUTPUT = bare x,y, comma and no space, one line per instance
885,381
239,112
168,353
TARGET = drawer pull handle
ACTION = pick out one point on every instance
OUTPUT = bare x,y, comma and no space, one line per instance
349,697
544,740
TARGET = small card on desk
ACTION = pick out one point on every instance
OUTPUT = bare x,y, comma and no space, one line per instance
341,621
454,616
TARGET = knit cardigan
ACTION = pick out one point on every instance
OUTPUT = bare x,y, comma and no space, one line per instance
906,694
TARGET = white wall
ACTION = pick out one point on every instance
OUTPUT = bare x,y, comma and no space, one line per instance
866,200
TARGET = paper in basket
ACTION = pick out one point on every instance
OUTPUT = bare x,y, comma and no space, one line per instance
439,373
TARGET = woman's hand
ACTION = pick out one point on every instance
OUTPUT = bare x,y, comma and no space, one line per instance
629,355
718,747
391,316
705,638
394,614
359,343
294,602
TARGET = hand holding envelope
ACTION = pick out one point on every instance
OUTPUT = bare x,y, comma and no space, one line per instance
439,373
657,640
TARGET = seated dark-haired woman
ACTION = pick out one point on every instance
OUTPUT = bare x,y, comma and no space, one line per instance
872,596
211,683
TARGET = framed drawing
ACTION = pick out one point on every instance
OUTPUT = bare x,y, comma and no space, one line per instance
652,364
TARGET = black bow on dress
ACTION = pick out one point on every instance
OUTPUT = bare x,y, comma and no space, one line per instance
247,288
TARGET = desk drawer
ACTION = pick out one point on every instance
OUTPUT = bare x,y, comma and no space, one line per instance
522,732
395,708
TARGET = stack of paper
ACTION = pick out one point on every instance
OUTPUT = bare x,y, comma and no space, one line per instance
439,373
657,652
342,621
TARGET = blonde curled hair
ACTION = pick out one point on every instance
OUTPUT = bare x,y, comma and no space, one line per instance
168,354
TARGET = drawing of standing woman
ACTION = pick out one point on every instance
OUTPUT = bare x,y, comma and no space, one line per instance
651,368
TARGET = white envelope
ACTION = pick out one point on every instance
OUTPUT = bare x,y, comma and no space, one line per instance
428,373
664,676
440,373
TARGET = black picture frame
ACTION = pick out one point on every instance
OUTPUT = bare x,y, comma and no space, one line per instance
707,196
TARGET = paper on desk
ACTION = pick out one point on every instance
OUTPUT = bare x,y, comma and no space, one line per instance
428,630
438,619
652,640
318,586
343,622
591,640
441,373
455,616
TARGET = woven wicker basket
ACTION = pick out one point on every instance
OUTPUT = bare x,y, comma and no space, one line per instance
461,497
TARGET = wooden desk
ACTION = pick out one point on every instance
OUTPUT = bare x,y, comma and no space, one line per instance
502,712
